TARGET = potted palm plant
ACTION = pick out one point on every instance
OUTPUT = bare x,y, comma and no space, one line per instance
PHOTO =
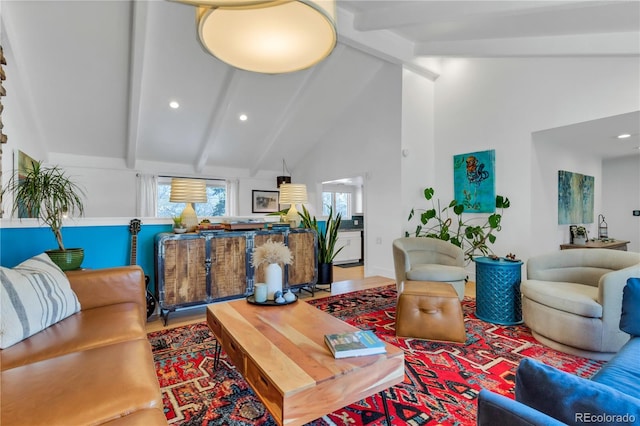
48,194
327,238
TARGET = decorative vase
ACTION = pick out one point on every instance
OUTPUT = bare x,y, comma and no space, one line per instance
273,278
580,241
325,273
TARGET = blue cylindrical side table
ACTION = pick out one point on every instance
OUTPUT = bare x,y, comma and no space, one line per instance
498,291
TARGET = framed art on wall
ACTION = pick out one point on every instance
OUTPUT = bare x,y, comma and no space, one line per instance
575,198
264,201
23,165
474,181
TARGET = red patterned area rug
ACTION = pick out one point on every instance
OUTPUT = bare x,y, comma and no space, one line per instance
441,385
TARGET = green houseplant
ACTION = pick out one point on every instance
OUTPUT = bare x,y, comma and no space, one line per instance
327,238
48,194
580,235
178,225
447,224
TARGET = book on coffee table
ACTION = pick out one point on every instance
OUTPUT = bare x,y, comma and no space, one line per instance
357,343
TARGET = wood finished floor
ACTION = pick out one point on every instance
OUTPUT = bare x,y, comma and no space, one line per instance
346,280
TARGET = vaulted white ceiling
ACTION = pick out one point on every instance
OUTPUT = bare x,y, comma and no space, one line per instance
96,77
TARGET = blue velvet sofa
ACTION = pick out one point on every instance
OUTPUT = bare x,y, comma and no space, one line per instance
547,396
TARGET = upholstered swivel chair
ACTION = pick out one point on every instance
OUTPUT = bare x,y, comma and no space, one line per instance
428,259
571,299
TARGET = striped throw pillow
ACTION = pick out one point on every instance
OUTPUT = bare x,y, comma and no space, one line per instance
33,296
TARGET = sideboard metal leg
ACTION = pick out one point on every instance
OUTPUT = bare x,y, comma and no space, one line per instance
386,408
216,356
164,314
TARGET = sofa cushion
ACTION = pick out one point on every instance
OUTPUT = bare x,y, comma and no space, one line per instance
33,296
433,272
623,371
82,388
146,417
569,398
573,298
630,317
495,409
87,329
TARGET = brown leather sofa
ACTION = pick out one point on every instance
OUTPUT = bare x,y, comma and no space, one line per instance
94,367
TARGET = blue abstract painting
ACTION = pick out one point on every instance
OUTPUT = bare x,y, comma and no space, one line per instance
474,181
575,198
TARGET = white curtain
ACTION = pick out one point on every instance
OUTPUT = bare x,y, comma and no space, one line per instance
232,206
147,195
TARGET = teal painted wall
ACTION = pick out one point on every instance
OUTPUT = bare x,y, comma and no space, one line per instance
104,246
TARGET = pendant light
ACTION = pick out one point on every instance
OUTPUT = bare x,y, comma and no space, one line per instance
283,178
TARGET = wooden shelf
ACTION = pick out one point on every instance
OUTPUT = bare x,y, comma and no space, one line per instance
609,244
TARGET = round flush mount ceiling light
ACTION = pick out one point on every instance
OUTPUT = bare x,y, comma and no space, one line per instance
243,117
272,37
174,104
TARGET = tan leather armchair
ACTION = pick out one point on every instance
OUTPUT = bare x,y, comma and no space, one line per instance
428,259
571,299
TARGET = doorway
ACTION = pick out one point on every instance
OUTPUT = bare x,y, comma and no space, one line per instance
346,196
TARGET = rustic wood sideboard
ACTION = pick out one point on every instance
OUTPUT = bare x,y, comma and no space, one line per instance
200,268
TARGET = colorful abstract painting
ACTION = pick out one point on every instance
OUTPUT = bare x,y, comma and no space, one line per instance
474,181
575,198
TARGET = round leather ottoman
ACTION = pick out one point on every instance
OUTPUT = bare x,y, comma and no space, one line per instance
430,310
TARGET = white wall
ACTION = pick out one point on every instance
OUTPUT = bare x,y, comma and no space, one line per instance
498,104
620,196
365,143
418,144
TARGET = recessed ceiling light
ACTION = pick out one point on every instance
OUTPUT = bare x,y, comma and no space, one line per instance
243,117
624,136
174,104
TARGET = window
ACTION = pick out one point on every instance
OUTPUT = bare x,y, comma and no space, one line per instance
339,201
216,196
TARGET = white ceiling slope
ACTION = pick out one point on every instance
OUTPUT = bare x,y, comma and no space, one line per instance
98,76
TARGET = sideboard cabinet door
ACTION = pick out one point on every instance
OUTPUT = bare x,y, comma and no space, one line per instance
261,237
228,266
303,245
182,275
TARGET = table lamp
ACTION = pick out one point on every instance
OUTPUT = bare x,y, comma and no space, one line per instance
188,191
293,193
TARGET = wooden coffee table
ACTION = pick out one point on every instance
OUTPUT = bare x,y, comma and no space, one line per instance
280,351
